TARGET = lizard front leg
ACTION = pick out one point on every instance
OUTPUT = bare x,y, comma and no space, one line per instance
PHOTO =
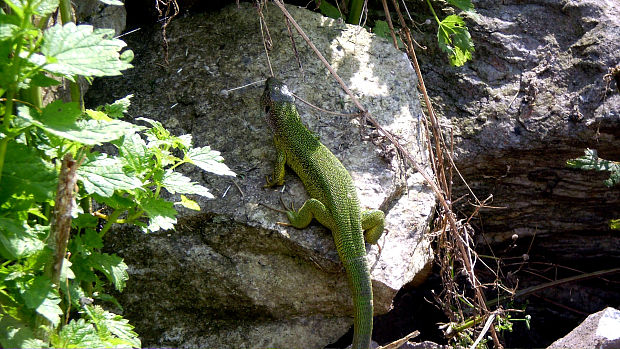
373,222
278,169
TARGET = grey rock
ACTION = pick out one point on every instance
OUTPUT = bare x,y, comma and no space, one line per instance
230,276
598,331
534,96
100,15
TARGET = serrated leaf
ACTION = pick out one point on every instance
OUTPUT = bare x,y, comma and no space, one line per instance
45,7
133,153
78,334
17,239
7,30
209,160
175,182
102,175
591,161
464,5
117,109
161,213
188,203
113,324
454,39
66,272
111,266
71,50
40,7
41,296
15,334
92,240
61,119
26,172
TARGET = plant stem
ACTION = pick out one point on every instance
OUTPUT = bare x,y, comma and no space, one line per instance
66,17
355,11
111,220
6,121
3,144
65,11
433,11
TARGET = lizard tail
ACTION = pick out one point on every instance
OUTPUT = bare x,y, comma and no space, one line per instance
361,287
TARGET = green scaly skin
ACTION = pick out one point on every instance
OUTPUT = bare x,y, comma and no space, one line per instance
333,202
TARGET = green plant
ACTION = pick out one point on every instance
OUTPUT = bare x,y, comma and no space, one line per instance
53,274
591,161
452,33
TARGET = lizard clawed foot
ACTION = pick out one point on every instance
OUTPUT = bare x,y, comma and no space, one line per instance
291,209
272,208
269,183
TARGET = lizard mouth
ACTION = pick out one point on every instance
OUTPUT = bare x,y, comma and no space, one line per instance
276,91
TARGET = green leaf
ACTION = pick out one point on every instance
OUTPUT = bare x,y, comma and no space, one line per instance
66,272
208,160
614,224
92,240
464,5
175,182
102,175
97,115
133,153
383,30
329,10
78,334
161,213
116,201
42,80
17,239
8,30
110,324
119,108
591,161
26,172
111,266
61,119
41,296
15,334
45,7
454,39
95,132
71,50
188,203
158,136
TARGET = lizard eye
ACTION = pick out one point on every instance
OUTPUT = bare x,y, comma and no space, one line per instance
267,109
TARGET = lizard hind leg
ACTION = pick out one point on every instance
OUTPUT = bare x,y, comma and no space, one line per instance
373,222
312,208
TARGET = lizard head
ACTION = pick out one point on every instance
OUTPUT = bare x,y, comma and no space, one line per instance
275,100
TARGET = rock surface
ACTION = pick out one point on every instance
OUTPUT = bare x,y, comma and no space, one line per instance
230,276
535,95
598,331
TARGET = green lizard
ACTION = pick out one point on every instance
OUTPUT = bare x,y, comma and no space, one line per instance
333,202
